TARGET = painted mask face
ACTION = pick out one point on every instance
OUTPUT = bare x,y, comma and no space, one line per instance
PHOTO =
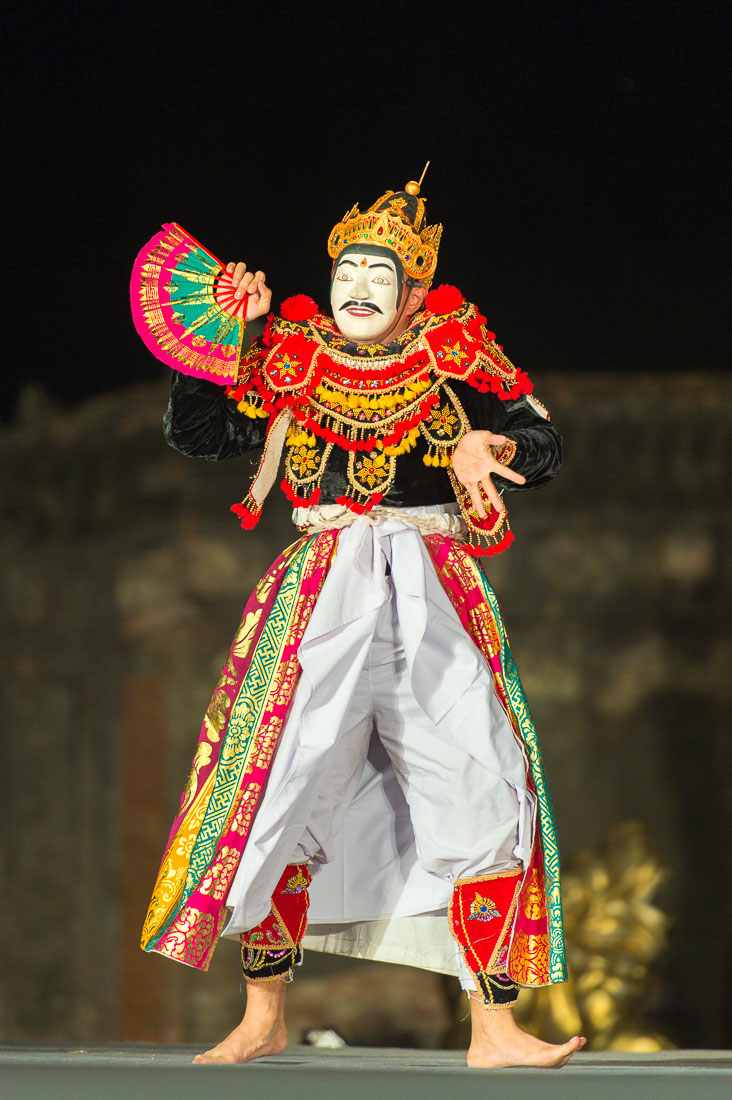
364,296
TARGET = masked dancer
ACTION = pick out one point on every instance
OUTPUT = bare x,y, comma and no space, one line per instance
368,779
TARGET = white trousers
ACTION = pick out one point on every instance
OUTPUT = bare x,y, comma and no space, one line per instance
464,817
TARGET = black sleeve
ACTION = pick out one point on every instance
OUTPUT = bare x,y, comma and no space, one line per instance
202,422
538,453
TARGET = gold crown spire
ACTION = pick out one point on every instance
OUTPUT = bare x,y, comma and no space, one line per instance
395,221
413,187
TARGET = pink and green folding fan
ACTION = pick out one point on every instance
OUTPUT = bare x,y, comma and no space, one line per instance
179,293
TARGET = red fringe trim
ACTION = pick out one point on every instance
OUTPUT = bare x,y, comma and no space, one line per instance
298,501
248,515
491,383
406,425
356,506
268,338
489,551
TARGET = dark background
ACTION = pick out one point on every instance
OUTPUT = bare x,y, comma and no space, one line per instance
576,151
577,157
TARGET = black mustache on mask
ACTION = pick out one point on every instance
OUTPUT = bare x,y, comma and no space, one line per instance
361,305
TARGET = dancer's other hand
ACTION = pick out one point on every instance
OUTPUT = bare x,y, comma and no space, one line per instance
474,463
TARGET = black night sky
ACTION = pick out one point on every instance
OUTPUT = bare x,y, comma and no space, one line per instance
577,160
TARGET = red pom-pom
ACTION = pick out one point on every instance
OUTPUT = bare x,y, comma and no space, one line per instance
444,299
298,308
523,381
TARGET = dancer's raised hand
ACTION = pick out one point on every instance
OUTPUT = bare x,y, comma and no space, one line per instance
245,293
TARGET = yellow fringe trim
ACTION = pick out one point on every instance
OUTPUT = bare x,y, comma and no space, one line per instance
405,444
443,459
298,437
250,409
382,402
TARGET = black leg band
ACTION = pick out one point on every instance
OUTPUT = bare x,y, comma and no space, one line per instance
497,990
259,965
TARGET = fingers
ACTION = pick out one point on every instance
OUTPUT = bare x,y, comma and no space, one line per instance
224,292
264,294
490,491
509,474
236,271
248,283
243,282
493,495
476,500
259,279
258,299
239,276
248,295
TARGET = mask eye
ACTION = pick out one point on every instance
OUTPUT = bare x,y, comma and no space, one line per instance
380,280
344,278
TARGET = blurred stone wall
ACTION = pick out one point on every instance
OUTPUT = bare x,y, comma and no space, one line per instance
122,577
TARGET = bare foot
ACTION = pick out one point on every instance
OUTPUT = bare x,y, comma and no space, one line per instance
261,1032
498,1041
244,1044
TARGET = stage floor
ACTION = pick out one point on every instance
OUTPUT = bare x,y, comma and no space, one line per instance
118,1071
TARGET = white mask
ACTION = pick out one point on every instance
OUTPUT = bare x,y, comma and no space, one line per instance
364,296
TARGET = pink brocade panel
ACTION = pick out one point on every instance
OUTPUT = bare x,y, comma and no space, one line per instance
232,675
529,957
187,930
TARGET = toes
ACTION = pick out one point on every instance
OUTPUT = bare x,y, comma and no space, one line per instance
566,1051
208,1058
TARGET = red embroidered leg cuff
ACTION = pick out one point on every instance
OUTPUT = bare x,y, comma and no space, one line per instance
481,915
272,948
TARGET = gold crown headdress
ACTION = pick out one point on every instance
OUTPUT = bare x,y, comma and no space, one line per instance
395,221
